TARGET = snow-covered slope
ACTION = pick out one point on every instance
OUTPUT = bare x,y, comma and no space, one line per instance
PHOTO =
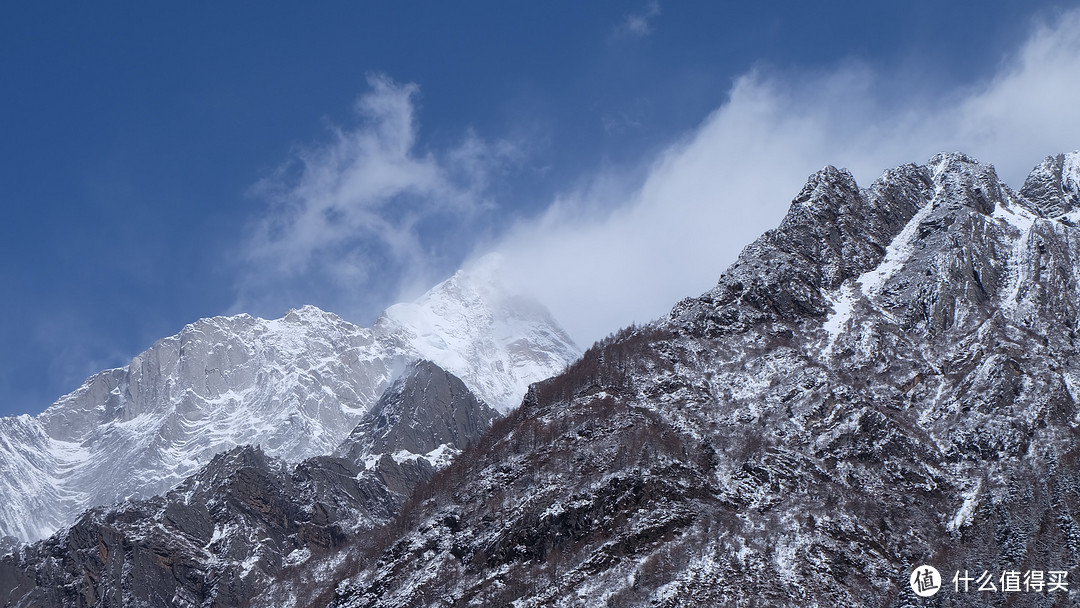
296,386
497,342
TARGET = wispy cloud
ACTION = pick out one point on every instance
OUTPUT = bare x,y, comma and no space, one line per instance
712,193
639,23
353,221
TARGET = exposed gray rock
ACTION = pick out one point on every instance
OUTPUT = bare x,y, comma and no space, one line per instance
216,540
1054,185
426,409
831,233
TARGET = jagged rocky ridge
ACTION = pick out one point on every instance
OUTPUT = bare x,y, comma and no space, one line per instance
887,379
296,386
248,522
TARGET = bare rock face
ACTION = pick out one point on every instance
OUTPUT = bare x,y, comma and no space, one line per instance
832,232
1054,186
425,419
888,379
427,412
247,525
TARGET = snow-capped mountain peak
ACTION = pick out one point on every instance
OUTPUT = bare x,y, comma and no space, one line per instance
296,386
497,341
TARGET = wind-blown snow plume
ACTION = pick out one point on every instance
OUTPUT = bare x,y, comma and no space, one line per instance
734,175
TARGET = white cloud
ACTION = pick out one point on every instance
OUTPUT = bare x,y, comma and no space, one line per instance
1029,110
357,221
354,221
709,195
639,23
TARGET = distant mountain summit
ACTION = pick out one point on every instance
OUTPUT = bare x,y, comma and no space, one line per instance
295,386
498,342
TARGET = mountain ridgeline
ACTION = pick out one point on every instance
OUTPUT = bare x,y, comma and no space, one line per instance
887,379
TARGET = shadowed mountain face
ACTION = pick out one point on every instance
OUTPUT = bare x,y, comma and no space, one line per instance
427,412
888,379
248,522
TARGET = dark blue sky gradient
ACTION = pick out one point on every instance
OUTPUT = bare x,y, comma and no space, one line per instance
131,135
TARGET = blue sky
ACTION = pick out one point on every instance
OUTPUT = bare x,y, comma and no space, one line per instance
165,162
